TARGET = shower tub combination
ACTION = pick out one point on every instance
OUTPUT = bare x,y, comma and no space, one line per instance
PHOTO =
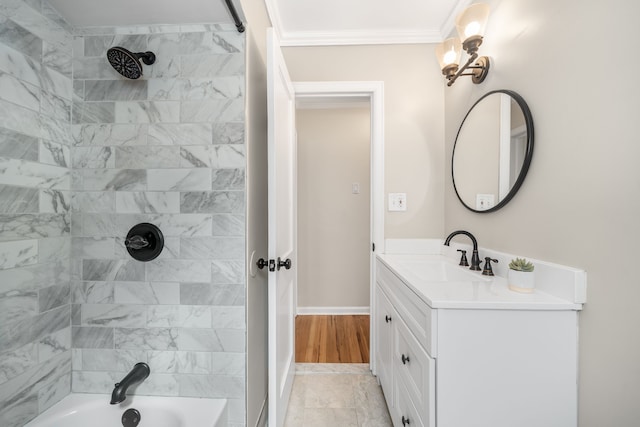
81,410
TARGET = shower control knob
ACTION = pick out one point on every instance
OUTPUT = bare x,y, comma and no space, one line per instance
286,264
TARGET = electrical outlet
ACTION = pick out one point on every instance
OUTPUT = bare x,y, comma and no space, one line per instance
355,188
397,202
484,201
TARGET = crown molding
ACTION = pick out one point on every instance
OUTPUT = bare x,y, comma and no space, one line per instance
367,37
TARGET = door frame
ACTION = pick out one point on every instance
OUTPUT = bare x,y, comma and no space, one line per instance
333,93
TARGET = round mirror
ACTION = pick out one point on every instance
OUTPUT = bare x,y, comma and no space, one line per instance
492,151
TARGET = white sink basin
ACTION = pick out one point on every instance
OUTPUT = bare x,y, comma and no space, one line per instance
439,271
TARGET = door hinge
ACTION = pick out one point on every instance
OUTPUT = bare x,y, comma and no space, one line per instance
373,247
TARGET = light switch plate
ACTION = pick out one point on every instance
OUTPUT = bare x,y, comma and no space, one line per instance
484,201
397,202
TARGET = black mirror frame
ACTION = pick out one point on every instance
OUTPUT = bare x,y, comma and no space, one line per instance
528,152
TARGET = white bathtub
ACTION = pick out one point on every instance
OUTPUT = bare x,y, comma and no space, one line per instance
82,410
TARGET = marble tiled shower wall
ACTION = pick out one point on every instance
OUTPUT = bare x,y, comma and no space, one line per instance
167,149
35,219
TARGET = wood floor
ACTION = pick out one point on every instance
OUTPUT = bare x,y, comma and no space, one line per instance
332,339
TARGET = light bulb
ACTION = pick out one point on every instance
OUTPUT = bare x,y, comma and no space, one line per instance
450,57
472,29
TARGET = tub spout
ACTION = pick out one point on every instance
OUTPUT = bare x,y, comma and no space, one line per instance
138,374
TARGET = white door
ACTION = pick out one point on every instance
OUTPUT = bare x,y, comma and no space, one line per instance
282,231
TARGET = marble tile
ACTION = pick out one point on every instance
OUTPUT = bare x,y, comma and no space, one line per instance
42,26
18,146
199,340
31,226
100,225
23,173
213,156
51,321
233,364
115,90
34,277
18,253
212,202
146,339
212,247
55,107
92,337
179,270
18,305
115,179
19,66
159,385
52,249
147,112
232,340
93,158
179,316
20,119
52,153
147,157
98,45
19,92
210,294
54,296
170,224
213,386
15,200
14,363
54,344
228,317
147,293
179,179
112,360
54,201
213,65
227,271
228,133
114,315
231,87
20,39
180,362
147,202
94,112
90,68
228,42
228,179
180,134
57,58
94,382
166,45
92,292
213,110
107,270
228,225
54,390
109,134
93,201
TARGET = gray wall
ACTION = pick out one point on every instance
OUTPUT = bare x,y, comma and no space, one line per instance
166,149
35,184
333,224
580,203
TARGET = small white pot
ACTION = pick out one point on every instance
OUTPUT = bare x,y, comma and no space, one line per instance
521,281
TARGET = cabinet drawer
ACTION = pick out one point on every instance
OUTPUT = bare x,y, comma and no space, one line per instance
385,316
419,317
405,412
416,370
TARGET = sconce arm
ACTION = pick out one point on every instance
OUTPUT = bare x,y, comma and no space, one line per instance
480,69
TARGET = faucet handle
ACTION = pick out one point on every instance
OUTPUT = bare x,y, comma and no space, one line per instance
463,258
488,271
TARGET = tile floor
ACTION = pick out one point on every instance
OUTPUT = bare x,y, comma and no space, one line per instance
336,395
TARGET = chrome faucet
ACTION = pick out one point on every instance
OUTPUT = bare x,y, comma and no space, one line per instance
475,258
138,374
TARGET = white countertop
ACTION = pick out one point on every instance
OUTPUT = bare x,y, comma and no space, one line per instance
480,292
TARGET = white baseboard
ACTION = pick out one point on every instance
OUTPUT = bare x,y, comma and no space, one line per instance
333,310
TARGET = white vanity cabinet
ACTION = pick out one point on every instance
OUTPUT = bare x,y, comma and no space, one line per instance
446,363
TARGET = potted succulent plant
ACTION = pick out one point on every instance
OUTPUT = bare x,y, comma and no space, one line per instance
521,277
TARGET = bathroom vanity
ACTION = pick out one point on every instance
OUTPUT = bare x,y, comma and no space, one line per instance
453,348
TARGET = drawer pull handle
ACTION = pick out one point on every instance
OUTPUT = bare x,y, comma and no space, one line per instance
405,359
387,319
405,421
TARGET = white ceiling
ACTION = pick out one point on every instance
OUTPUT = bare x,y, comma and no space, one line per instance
298,22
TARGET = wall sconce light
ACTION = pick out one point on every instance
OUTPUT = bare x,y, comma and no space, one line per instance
471,24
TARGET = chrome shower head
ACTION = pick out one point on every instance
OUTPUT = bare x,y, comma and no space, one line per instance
128,63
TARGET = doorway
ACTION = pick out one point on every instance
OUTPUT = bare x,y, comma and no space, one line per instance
340,170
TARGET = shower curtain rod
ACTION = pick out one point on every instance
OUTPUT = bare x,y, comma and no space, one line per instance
234,15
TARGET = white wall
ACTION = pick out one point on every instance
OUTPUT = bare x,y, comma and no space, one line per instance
575,64
413,94
333,223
